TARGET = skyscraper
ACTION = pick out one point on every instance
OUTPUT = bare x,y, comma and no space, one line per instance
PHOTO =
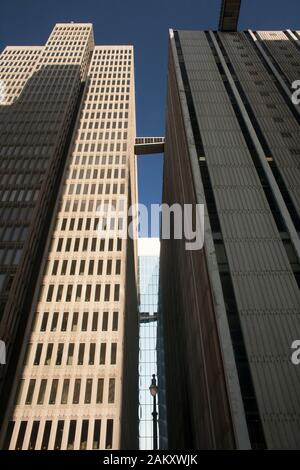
67,165
232,309
148,251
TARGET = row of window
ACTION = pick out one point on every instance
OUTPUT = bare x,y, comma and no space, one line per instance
58,430
113,68
108,97
93,205
82,293
13,233
10,256
89,223
85,160
24,163
101,105
76,321
88,244
23,51
93,123
88,173
111,51
85,267
118,61
16,214
64,60
20,195
62,53
75,391
11,65
66,47
77,189
94,75
113,124
100,81
57,354
21,178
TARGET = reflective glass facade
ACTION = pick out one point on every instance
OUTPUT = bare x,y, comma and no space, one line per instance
148,250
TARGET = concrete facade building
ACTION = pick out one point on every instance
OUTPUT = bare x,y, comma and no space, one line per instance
231,310
71,330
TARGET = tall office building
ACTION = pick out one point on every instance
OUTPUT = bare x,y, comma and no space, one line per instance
232,309
148,256
67,155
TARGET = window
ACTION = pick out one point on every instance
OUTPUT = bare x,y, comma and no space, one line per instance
38,353
107,293
73,267
49,354
111,391
91,268
59,434
30,391
64,323
54,321
60,350
33,435
71,435
102,353
53,392
113,353
70,354
69,293
88,391
76,394
115,321
46,436
104,321
84,321
42,390
97,293
92,354
64,264
65,392
118,266
108,266
109,434
88,292
95,321
84,434
44,321
81,354
97,432
50,293
99,396
100,267
75,321
21,435
117,293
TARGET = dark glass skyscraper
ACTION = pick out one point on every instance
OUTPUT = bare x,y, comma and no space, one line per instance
232,309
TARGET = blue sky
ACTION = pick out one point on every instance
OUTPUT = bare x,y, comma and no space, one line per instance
145,25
